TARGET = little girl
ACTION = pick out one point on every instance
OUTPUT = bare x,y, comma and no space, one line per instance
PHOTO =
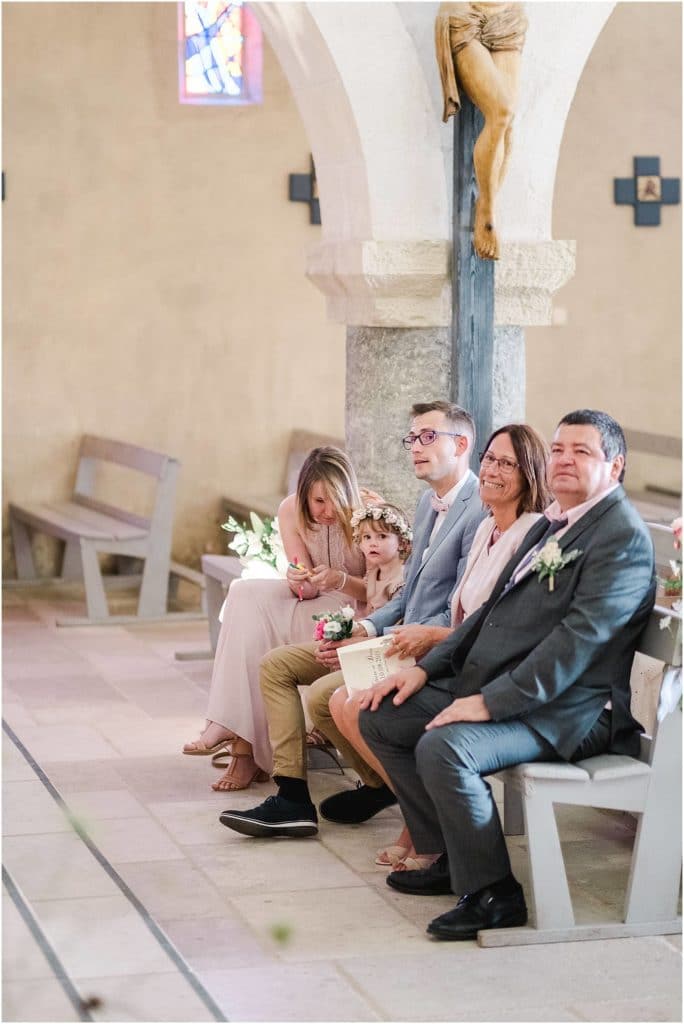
384,536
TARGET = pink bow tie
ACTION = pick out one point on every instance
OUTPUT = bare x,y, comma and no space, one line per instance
438,504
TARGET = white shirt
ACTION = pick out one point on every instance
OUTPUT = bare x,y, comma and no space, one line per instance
449,498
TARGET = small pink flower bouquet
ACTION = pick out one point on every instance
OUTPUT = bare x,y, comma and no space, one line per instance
334,625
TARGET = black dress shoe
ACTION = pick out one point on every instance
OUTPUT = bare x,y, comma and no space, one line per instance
477,911
275,817
352,806
432,881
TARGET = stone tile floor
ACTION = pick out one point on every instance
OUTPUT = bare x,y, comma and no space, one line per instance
155,912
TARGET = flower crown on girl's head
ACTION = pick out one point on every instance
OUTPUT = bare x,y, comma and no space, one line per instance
392,517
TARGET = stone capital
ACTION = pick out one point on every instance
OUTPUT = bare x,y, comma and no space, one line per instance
408,283
384,283
527,275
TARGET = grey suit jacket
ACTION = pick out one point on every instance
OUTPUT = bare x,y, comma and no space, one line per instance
555,658
429,584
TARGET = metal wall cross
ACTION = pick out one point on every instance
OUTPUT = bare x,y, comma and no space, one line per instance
646,191
304,189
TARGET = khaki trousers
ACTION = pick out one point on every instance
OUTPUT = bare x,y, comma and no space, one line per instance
282,671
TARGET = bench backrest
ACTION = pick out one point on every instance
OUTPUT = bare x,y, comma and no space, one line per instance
663,543
102,449
301,443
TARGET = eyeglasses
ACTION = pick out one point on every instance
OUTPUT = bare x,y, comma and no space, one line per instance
505,465
425,437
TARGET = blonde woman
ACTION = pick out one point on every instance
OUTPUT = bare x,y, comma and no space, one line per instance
326,572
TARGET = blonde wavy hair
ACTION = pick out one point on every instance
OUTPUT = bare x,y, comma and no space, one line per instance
330,467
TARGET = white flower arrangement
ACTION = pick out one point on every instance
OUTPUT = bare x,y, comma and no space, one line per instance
396,523
260,549
548,562
334,625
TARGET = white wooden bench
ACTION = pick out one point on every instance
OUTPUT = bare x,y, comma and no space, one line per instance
649,787
90,527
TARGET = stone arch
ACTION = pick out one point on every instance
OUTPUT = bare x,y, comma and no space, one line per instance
365,81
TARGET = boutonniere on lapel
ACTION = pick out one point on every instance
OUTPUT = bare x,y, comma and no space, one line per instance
550,560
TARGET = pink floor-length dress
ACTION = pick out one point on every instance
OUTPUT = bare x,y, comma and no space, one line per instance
262,614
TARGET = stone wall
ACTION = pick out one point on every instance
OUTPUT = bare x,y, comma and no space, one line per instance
154,270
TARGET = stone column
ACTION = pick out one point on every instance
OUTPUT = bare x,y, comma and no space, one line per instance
395,298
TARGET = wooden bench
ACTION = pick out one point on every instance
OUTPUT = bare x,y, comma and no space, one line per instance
301,443
90,527
649,787
655,503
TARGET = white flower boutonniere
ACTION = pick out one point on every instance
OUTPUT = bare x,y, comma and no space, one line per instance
550,560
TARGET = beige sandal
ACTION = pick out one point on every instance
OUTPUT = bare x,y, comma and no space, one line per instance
200,748
315,738
227,784
391,855
418,862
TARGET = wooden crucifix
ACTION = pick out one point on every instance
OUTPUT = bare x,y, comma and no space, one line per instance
478,47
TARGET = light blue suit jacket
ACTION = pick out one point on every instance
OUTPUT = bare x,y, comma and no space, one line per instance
429,583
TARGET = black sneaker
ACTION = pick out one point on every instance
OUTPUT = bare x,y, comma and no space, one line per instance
275,817
352,806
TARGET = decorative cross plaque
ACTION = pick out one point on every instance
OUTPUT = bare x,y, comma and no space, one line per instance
304,189
647,191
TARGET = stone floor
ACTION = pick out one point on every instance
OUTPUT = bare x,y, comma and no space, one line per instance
125,899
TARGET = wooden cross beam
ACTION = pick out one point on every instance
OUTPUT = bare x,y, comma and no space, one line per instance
472,317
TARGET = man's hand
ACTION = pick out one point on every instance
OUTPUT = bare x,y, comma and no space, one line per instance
406,683
326,652
463,709
411,641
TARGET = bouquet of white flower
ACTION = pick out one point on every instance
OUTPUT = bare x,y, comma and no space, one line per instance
334,625
260,549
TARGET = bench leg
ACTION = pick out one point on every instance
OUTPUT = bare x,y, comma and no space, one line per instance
153,589
23,553
551,897
514,821
96,600
72,568
215,594
653,885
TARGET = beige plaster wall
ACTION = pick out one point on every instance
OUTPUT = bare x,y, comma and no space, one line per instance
620,348
154,286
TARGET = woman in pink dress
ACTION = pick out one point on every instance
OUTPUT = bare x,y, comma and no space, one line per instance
325,573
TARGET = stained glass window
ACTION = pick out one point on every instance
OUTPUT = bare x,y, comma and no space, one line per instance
219,52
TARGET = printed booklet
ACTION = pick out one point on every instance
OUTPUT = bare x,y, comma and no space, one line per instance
364,664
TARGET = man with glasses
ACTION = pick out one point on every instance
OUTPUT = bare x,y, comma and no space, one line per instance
539,673
440,443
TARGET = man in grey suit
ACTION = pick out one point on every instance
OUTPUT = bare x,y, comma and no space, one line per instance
441,440
539,672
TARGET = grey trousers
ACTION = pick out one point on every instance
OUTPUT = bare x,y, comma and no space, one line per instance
438,778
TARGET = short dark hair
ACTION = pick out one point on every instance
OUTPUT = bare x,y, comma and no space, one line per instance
458,418
532,454
612,436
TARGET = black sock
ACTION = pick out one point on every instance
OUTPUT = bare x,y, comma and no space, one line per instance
295,790
504,887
